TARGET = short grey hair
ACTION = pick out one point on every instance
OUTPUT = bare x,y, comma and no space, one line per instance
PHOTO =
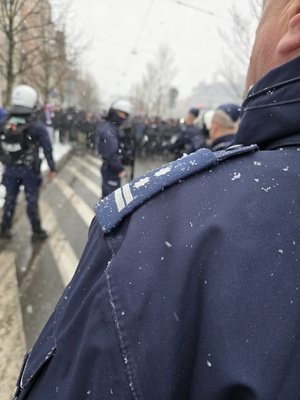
224,120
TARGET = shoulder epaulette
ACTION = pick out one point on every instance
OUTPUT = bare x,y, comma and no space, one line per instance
114,208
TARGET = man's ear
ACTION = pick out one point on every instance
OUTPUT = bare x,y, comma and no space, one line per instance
213,129
290,41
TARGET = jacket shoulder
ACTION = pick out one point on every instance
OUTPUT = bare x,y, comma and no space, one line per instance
114,208
38,126
107,129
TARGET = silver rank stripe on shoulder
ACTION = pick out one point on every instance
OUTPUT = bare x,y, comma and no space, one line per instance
115,207
123,201
123,197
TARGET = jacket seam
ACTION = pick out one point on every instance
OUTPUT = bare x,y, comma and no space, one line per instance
118,329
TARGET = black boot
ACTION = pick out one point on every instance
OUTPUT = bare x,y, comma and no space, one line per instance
38,233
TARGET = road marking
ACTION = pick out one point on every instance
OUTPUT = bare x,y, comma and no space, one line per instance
84,211
63,254
95,189
61,249
88,166
95,160
65,258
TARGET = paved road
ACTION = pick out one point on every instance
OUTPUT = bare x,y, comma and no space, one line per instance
34,275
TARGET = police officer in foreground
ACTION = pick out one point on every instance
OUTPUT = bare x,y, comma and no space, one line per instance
189,286
224,125
21,137
110,146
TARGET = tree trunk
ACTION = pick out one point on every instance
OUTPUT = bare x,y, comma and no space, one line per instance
10,73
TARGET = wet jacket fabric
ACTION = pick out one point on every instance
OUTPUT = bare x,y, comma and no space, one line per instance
194,294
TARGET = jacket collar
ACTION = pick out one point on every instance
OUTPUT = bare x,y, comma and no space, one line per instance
224,139
270,115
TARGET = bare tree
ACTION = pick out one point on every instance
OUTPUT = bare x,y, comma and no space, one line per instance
151,94
255,6
238,47
57,65
87,93
43,73
20,25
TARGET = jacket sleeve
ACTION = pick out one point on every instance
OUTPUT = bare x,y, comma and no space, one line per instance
39,132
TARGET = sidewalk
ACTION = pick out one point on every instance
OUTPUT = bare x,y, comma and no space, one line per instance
12,340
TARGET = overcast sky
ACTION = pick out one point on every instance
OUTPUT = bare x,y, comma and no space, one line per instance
124,35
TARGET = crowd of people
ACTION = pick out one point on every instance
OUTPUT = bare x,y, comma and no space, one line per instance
115,137
71,125
143,135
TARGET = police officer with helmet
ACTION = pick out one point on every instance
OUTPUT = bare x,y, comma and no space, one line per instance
21,137
110,146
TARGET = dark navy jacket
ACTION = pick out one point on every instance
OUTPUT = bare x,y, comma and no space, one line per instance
188,140
109,146
196,294
40,137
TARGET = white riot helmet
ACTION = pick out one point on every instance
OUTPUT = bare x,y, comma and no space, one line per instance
24,98
122,105
208,117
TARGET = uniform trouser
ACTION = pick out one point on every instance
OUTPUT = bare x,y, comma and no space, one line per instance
110,180
63,135
31,184
81,141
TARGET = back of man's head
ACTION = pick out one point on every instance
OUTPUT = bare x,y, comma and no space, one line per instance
232,110
224,121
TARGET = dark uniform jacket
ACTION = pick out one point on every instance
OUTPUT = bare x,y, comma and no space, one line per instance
189,139
196,294
109,142
38,137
